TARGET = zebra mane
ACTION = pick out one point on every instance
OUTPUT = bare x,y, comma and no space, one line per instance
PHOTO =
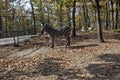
48,26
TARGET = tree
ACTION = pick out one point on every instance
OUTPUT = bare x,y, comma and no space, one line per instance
68,16
117,13
107,16
60,3
100,37
0,26
33,15
85,14
68,4
73,17
0,21
112,14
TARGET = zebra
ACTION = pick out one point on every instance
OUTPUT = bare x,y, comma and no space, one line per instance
52,32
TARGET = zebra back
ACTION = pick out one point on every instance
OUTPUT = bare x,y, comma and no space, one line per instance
56,32
64,30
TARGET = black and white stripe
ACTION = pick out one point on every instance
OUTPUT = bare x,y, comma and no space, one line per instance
52,32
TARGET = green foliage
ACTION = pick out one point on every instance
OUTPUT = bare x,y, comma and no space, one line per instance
50,11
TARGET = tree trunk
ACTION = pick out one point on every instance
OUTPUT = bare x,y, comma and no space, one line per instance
100,37
117,6
0,20
6,28
86,13
68,16
107,17
61,23
112,14
94,18
48,16
33,16
85,18
0,26
41,12
14,31
73,17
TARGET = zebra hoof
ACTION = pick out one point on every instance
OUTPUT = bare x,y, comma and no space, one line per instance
67,45
52,46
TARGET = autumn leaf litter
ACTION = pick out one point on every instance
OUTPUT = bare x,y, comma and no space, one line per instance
35,60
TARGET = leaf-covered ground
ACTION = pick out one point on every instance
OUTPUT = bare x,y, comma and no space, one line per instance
86,59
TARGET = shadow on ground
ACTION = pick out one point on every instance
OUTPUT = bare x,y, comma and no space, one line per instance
82,46
56,66
109,70
46,68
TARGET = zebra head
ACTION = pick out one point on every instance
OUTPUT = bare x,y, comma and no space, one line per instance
43,28
46,28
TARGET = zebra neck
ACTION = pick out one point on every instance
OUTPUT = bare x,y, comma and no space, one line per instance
50,30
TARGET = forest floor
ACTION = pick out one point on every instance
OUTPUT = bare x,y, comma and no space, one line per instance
86,59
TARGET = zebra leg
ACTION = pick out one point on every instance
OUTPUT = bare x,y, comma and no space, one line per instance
52,43
68,41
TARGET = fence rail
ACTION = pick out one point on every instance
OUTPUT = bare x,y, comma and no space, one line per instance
7,41
12,33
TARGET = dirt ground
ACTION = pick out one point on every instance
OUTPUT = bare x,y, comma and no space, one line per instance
86,59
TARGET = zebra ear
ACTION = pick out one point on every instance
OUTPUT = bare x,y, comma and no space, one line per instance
43,24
